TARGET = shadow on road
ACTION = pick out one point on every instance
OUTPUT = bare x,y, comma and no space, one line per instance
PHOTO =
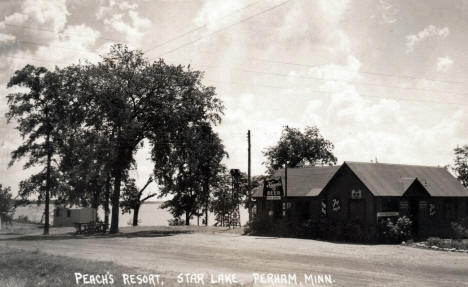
147,233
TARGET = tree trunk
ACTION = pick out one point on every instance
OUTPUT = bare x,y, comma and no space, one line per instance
115,202
206,215
136,210
106,203
187,218
47,192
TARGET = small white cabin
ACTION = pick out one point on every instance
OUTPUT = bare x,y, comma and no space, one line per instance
68,216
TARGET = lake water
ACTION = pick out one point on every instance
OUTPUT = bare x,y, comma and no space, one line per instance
151,214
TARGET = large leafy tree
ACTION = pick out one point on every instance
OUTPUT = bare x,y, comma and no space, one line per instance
7,205
137,99
296,149
460,166
38,110
187,166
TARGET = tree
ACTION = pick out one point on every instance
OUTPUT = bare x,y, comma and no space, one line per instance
296,149
132,198
460,166
7,205
38,112
187,165
229,194
137,99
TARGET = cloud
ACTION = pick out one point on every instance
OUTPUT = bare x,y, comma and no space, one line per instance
430,31
5,38
444,63
123,17
49,14
388,12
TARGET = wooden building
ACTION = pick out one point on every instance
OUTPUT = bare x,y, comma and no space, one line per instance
68,216
354,197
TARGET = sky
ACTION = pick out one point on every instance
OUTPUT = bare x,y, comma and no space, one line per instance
382,80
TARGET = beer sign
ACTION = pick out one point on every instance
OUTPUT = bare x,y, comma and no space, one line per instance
273,188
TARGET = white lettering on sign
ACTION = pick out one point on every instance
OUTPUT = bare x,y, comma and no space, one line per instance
324,207
336,205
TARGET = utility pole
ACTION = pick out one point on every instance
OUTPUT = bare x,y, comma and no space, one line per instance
249,191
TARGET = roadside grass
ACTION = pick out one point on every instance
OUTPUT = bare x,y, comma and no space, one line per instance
34,268
22,268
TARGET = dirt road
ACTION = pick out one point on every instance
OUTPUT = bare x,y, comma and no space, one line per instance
348,264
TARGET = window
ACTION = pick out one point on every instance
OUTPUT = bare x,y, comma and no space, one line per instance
68,212
390,204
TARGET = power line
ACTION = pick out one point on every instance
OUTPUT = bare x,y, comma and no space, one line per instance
200,27
308,90
322,92
277,62
62,33
339,80
361,72
224,28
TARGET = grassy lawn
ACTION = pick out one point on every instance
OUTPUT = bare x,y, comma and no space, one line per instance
34,268
21,268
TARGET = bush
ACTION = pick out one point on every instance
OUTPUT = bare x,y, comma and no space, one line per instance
23,219
433,241
260,225
460,228
395,230
176,222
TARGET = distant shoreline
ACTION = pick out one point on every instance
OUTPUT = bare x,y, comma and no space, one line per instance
21,202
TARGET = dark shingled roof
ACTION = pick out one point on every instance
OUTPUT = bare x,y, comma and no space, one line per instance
384,179
306,181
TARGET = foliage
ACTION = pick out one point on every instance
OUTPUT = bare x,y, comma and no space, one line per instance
176,222
460,228
447,243
260,225
228,195
132,198
38,110
7,204
187,166
298,149
461,164
117,103
395,230
85,123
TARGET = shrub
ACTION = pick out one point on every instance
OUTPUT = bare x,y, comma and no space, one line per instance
260,225
433,241
176,222
23,219
395,230
460,228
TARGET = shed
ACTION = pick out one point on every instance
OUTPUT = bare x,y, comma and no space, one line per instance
64,216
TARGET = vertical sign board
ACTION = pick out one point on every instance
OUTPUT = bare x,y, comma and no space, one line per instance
273,188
